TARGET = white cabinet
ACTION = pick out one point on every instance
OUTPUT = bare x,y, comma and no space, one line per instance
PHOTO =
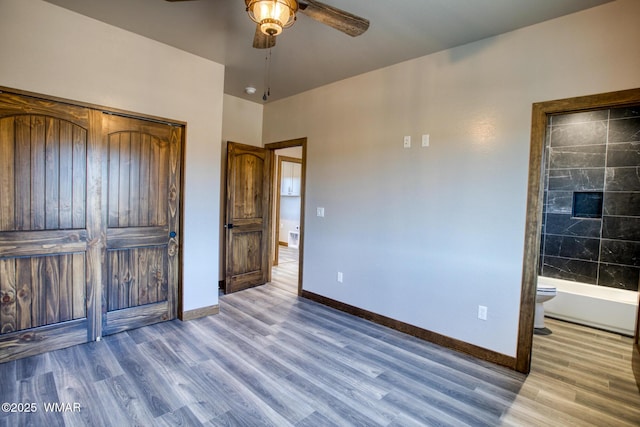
294,239
290,184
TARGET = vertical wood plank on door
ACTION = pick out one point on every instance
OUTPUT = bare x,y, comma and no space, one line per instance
114,178
23,286
174,166
134,180
80,178
124,273
133,283
79,286
38,189
97,156
52,173
173,211
123,190
51,284
66,175
163,182
66,288
143,277
154,171
114,281
23,173
7,171
154,275
145,155
163,282
8,296
38,292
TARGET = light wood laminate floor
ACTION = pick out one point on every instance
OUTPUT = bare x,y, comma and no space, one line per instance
285,274
271,358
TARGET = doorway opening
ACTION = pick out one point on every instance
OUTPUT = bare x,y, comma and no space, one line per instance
287,231
535,200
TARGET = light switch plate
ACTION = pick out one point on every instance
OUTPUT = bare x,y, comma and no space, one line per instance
319,211
407,142
482,312
425,140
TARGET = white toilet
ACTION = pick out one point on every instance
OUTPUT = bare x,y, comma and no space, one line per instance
543,293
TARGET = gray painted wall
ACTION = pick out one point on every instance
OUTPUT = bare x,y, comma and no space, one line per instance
425,235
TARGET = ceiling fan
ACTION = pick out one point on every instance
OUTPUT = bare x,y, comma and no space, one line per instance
271,16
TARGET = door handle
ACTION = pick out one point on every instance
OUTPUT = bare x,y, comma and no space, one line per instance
228,226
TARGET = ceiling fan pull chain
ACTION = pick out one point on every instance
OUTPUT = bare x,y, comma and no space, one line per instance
266,63
267,76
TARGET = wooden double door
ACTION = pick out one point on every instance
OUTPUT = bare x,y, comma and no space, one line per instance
89,217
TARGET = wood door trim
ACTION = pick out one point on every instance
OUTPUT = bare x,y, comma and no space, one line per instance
136,236
96,224
26,243
107,110
540,113
120,320
272,147
29,342
289,159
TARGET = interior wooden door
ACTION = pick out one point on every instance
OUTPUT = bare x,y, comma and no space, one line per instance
48,270
142,215
247,216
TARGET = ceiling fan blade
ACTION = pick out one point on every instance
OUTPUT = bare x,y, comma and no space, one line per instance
262,40
336,18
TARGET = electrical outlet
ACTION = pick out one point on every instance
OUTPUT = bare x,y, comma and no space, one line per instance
482,312
425,140
339,276
407,141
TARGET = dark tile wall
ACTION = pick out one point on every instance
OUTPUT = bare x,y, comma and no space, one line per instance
596,151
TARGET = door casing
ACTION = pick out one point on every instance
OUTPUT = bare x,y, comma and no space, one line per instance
272,147
540,113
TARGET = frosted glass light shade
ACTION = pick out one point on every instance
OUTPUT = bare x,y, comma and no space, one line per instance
272,15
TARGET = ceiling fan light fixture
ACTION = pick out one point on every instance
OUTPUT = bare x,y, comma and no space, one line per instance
272,15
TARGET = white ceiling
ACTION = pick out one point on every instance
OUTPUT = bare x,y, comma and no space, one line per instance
309,54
